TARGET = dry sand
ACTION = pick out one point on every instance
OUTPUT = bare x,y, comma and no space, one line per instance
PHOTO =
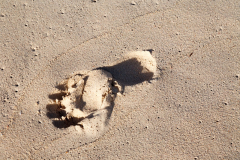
189,109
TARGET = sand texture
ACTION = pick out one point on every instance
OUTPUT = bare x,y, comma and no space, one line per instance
107,79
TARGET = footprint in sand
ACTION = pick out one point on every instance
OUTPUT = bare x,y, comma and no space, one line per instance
86,99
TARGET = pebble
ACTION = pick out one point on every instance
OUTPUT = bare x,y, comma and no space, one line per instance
62,11
133,3
33,48
39,112
2,15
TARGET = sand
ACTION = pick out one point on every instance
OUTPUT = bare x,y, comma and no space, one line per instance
189,108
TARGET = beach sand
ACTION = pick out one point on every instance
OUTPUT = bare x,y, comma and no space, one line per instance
187,106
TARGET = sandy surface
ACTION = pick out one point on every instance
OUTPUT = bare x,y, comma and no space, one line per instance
189,110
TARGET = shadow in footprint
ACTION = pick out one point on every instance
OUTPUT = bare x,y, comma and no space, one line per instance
57,95
61,123
54,112
129,72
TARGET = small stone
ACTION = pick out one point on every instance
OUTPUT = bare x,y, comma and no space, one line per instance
39,111
39,121
33,48
94,0
62,11
2,15
133,3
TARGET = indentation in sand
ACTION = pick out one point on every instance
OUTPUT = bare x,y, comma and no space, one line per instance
83,94
86,99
